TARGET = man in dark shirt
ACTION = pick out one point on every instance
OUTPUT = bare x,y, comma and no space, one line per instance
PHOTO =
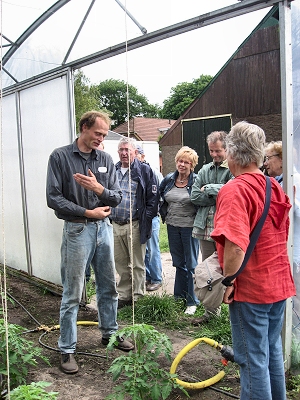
82,186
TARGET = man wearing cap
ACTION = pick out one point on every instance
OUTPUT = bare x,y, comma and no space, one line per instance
132,219
152,258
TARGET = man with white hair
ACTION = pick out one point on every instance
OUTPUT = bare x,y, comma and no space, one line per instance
137,208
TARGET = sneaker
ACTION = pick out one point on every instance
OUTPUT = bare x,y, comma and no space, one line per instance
68,363
190,310
124,303
153,286
120,344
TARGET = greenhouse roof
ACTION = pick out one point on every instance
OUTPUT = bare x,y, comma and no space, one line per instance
38,37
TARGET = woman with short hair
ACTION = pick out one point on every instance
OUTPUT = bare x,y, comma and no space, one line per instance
273,160
258,295
179,213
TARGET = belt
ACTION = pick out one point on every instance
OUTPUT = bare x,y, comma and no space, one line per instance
84,220
125,222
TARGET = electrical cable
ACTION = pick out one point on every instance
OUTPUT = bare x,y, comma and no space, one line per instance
77,352
47,329
31,316
214,388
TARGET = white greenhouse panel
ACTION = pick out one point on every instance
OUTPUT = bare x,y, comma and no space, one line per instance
45,126
12,250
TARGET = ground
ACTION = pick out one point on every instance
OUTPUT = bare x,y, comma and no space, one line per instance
92,381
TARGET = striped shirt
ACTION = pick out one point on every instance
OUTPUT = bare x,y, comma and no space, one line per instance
122,211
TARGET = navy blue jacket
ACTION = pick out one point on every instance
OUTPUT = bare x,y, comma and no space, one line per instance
147,196
167,183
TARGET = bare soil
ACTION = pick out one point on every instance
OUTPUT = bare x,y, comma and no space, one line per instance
92,381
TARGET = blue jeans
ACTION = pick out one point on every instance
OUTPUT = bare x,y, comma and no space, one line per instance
84,244
184,250
256,334
152,257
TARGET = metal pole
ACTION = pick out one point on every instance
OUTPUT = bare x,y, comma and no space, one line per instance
287,146
142,29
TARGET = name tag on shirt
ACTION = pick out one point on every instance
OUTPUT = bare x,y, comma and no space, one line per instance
102,169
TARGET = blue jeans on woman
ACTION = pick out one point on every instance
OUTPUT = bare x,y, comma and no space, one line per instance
184,250
84,244
256,334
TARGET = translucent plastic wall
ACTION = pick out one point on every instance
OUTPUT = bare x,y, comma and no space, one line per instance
35,121
296,173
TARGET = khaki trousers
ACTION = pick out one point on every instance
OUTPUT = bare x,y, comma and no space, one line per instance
122,251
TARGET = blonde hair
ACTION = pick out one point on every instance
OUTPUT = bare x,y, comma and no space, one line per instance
189,154
276,147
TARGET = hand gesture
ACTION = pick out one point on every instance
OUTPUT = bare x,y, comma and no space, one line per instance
89,182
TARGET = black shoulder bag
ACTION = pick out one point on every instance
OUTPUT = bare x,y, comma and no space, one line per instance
254,235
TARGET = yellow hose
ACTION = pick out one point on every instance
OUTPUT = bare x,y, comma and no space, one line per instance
87,323
78,323
183,352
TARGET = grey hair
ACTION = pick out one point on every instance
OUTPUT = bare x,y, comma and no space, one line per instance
130,141
245,144
216,136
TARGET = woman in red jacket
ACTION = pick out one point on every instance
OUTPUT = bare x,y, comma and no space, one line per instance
257,297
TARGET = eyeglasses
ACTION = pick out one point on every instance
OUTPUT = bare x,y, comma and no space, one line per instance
183,162
123,150
267,158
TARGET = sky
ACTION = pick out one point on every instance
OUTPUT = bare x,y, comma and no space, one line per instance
153,69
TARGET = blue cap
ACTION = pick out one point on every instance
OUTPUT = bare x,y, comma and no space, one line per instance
139,149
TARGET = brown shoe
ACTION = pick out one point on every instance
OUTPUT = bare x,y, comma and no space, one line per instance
153,286
120,344
199,321
124,303
68,364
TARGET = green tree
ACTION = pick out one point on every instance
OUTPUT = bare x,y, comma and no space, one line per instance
84,100
111,94
182,96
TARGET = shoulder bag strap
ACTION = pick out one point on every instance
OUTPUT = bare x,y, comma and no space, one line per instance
254,235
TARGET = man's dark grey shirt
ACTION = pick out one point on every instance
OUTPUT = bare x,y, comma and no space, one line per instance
66,196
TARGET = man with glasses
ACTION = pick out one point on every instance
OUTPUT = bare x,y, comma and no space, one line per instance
132,221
